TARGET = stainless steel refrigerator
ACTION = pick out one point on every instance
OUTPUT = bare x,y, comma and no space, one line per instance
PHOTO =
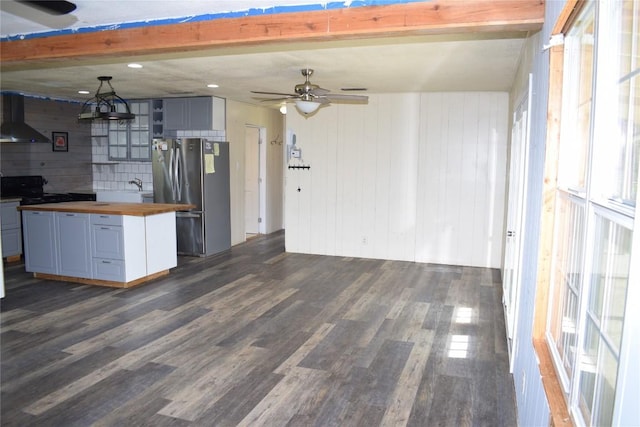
195,171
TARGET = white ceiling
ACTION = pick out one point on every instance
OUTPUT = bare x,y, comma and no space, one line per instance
478,61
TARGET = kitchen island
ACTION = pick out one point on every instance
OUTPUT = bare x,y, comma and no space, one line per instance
100,243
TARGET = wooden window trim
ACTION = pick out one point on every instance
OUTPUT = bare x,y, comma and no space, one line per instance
568,16
558,405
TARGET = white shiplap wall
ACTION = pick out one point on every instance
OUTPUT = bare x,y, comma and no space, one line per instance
415,177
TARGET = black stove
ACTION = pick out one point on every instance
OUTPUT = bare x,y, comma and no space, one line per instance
30,189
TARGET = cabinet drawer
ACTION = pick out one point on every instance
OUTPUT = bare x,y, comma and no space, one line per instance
108,269
106,219
107,242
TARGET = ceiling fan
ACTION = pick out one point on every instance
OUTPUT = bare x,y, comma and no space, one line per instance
309,97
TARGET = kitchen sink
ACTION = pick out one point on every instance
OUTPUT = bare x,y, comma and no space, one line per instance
127,196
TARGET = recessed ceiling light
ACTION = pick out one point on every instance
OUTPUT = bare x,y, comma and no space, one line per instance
83,92
134,65
213,85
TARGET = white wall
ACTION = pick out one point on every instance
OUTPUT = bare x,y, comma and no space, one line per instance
415,177
240,115
533,408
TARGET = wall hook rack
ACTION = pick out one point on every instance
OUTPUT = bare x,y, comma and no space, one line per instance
276,141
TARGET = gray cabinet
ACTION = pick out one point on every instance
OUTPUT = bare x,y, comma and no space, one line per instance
11,230
194,113
40,245
74,244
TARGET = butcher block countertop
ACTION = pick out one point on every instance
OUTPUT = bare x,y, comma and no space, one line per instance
109,208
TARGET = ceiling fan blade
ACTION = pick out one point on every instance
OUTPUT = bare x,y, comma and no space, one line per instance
351,98
275,100
319,91
293,95
53,7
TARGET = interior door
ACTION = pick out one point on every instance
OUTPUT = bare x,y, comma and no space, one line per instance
515,216
252,180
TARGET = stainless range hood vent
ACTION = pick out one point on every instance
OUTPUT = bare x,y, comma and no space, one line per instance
13,128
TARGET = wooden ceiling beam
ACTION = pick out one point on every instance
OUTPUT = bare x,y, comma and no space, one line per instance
421,18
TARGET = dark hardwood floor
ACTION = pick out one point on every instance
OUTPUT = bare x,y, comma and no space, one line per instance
259,337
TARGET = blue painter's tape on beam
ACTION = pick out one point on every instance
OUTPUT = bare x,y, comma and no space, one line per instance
272,10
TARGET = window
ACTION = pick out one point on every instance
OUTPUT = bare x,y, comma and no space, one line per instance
568,255
600,353
576,111
596,195
131,140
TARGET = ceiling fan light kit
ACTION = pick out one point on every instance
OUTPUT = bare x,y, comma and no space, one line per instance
104,105
306,107
308,97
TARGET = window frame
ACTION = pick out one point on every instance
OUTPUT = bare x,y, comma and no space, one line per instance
127,129
560,403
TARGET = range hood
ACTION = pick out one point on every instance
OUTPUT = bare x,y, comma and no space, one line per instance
13,128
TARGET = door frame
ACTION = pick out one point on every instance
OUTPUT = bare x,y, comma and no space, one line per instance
262,179
515,221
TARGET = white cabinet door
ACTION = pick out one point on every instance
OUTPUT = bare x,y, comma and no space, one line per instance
39,233
11,242
11,233
74,244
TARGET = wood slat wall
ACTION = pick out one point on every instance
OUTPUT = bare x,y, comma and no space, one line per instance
414,177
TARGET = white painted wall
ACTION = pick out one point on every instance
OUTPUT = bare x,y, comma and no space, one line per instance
239,115
533,408
414,177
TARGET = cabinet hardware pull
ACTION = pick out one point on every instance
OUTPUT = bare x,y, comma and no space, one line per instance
104,228
106,262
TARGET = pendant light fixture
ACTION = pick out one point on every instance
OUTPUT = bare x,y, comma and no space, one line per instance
106,105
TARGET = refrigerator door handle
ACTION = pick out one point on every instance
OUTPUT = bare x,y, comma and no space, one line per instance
177,177
171,174
180,214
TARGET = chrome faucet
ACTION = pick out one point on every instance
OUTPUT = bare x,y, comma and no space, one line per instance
137,182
